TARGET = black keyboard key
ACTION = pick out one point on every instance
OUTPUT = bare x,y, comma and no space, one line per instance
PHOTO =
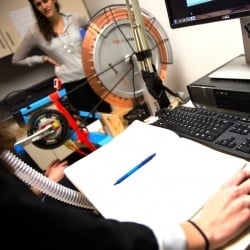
222,131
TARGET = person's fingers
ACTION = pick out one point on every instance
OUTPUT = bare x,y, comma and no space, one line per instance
53,162
245,187
238,178
64,163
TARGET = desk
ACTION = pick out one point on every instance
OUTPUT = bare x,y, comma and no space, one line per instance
243,240
164,184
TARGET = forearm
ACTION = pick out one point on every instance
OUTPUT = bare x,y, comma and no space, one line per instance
195,240
28,61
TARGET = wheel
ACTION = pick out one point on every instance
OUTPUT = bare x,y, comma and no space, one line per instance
43,118
108,55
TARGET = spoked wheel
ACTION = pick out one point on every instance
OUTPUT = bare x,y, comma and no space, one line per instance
43,118
109,55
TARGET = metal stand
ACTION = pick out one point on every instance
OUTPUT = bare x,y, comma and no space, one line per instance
144,56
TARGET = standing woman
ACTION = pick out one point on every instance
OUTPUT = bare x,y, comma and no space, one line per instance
59,36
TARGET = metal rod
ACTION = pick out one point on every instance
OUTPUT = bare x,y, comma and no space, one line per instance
139,31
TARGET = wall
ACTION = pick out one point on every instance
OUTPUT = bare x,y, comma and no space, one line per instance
196,50
13,77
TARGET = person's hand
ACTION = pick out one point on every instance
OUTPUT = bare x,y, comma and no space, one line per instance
55,170
227,213
51,61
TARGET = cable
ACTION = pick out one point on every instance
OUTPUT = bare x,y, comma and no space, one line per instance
45,185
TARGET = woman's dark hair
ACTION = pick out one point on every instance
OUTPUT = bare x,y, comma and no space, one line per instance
44,24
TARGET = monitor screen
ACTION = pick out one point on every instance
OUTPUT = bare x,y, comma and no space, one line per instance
191,12
183,13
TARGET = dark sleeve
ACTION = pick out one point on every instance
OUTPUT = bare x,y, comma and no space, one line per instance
27,223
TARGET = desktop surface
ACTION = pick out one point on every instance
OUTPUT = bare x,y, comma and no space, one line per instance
158,184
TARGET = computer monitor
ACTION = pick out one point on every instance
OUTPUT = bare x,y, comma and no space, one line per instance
183,13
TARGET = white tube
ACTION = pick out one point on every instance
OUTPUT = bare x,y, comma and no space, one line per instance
53,189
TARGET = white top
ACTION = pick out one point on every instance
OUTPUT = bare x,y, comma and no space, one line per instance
66,49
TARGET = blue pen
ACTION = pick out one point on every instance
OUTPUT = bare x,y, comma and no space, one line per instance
131,171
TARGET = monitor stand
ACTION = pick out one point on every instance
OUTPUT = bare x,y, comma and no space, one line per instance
238,68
